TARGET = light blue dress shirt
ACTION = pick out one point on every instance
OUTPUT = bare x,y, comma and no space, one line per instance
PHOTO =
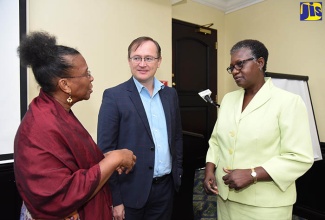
157,122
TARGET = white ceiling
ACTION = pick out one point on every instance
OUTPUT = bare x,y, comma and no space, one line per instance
224,5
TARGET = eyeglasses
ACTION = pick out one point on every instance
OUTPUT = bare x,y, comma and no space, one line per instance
239,65
87,74
138,59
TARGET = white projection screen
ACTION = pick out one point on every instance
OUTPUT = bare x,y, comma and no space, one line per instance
10,94
299,85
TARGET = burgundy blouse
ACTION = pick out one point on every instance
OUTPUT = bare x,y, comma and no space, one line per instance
56,164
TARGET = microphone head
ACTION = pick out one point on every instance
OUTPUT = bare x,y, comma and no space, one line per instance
208,99
205,93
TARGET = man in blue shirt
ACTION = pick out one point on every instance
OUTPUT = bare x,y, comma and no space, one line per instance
143,115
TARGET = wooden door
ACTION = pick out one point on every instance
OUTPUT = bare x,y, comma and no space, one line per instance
194,70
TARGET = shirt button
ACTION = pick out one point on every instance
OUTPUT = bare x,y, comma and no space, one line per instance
232,134
231,151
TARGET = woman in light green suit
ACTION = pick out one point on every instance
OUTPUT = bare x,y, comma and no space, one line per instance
260,143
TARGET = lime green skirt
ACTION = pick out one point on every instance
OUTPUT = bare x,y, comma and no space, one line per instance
229,210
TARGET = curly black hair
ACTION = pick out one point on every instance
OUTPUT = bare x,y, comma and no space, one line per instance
257,48
39,51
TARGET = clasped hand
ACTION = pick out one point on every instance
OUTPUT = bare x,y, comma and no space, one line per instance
127,161
237,178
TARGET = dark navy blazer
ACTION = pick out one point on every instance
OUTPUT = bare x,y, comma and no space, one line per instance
122,123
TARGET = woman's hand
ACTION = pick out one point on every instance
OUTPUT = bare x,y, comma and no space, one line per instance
127,162
237,178
209,183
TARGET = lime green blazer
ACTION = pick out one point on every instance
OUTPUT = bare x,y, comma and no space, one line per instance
272,132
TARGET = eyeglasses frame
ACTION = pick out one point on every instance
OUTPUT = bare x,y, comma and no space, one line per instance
143,58
87,74
239,64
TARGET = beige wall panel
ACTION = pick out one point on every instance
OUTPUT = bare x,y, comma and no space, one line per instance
295,47
102,30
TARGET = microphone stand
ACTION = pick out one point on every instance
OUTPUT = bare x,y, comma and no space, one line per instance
215,104
208,99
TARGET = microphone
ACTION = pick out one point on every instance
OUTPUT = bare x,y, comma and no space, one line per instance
205,95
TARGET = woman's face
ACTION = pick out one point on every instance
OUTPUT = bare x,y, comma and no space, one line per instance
80,80
250,73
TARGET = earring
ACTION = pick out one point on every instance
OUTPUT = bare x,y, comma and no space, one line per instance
69,100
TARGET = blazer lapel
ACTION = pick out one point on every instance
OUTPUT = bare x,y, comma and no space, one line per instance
136,100
166,105
259,99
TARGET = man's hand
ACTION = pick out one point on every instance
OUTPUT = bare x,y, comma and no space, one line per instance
118,212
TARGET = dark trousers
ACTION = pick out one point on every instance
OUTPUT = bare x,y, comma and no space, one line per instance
159,205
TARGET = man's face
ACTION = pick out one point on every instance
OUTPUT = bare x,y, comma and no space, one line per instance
144,70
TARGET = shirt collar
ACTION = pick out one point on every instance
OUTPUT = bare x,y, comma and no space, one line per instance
157,85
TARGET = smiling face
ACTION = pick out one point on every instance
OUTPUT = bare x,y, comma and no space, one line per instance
250,75
144,71
80,81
